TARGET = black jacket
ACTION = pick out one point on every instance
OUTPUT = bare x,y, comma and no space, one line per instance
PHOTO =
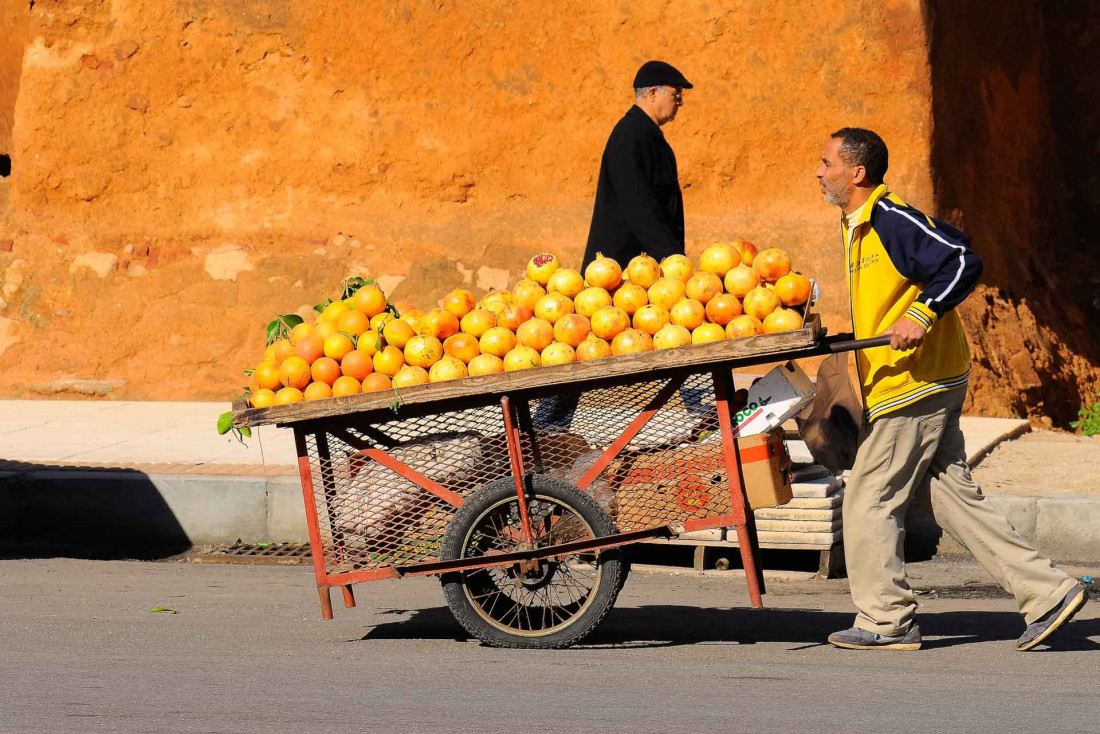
639,207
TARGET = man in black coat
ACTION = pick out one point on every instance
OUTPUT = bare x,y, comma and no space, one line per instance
639,207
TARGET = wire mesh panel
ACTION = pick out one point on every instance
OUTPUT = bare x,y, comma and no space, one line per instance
386,491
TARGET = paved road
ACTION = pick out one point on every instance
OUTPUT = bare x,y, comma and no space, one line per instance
81,652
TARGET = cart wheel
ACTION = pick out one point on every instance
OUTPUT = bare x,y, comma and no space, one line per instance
551,604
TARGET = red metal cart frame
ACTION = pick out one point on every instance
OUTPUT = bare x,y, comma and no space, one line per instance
650,438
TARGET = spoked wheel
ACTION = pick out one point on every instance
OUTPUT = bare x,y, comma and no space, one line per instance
548,603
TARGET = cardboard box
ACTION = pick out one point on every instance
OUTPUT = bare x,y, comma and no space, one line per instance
777,396
766,468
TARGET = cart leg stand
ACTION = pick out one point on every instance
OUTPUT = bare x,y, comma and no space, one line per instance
743,518
316,549
349,596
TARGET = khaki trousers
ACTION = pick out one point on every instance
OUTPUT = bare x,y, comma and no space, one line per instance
920,449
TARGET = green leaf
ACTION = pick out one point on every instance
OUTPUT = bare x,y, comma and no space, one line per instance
165,610
272,331
225,422
246,432
248,372
291,320
351,337
351,285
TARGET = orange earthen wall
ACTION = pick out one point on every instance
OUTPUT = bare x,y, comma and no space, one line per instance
182,169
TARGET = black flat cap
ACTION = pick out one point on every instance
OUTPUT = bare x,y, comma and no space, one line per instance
660,74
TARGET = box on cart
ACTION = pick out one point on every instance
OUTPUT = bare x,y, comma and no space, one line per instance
774,398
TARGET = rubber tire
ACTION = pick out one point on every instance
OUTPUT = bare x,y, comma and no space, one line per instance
612,576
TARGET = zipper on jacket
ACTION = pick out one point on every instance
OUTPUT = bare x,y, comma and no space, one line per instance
851,307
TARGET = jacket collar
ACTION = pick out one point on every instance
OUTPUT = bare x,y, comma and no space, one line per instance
638,115
880,192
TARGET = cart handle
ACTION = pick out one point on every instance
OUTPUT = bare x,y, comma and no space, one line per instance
846,343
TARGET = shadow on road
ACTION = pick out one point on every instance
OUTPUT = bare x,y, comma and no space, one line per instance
674,625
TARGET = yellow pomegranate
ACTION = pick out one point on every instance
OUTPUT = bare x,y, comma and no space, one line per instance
650,318
678,267
497,341
591,300
772,264
439,323
740,280
643,271
558,353
703,287
521,358
408,376
553,306
747,250
671,336
631,341
630,297
708,333
572,329
448,368
541,267
793,289
477,322
722,308
719,258
666,292
513,315
593,348
565,281
782,319
742,326
485,364
495,300
609,322
688,313
760,302
535,333
423,351
459,302
527,292
603,272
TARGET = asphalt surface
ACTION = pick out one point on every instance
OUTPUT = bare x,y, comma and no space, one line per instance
80,651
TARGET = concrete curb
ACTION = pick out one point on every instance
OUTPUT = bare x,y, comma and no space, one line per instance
1062,528
157,514
162,514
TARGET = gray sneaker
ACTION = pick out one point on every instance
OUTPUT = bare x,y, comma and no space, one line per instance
1049,623
857,639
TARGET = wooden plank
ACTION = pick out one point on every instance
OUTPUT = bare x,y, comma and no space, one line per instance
799,526
485,388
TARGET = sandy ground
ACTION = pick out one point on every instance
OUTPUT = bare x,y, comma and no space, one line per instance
1042,463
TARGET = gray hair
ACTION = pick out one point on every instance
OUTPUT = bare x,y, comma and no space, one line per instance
640,92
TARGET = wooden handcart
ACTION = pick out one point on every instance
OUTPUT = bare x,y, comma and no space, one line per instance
520,489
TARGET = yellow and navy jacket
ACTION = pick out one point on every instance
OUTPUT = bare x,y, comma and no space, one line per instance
904,264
